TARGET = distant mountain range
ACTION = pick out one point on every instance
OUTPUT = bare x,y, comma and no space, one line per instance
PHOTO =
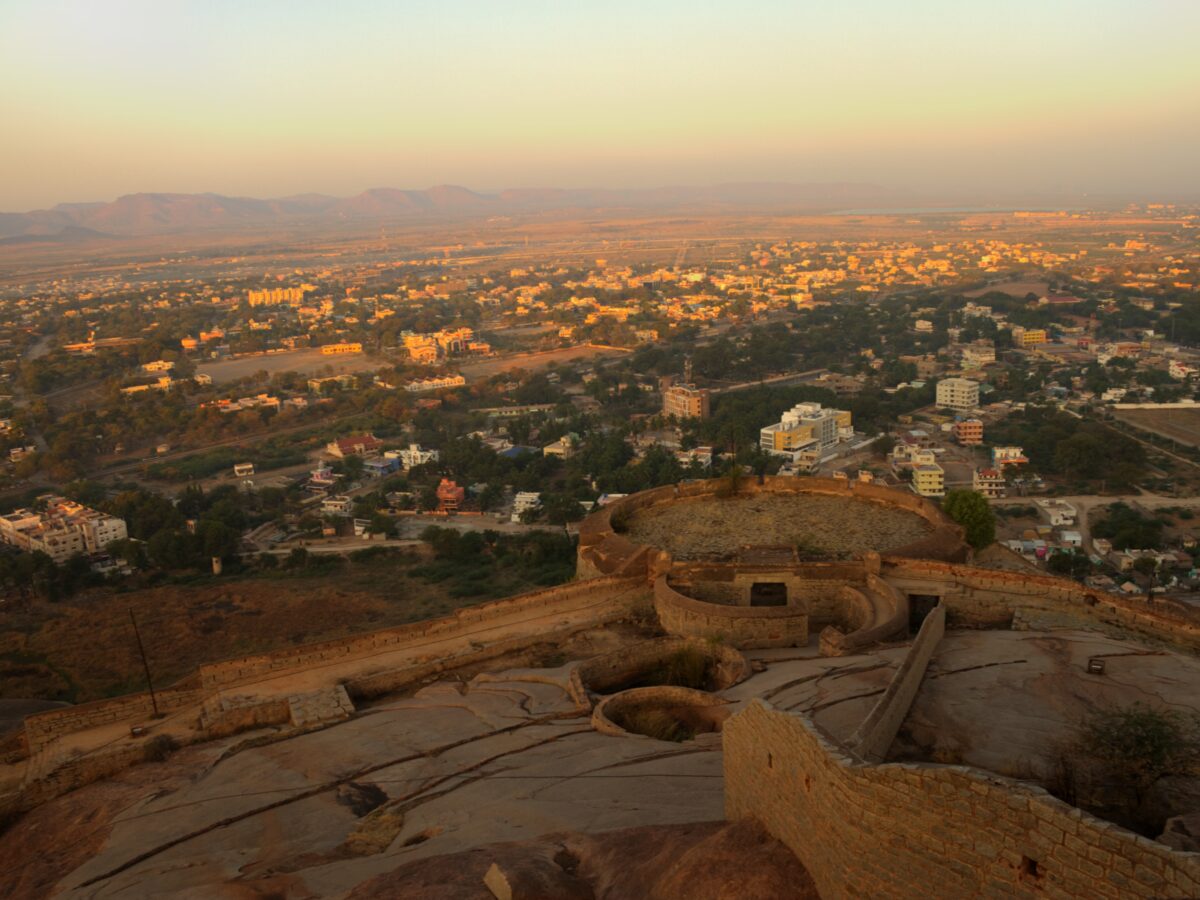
154,214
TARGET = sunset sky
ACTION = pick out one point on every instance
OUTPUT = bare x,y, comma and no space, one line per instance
105,97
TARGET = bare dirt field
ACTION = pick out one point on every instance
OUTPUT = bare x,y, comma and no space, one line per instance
1013,289
1181,425
819,526
84,648
308,362
530,361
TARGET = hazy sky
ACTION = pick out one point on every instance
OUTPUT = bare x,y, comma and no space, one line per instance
272,97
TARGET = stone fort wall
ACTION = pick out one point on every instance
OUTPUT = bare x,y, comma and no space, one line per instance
991,598
604,550
911,831
437,644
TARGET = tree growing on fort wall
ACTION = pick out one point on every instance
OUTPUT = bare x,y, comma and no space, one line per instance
972,512
1119,760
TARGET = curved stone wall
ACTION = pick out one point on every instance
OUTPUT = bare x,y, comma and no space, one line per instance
888,620
605,550
602,674
608,713
747,627
857,607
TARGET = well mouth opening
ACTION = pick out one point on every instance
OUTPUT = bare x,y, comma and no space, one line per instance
670,721
668,662
663,713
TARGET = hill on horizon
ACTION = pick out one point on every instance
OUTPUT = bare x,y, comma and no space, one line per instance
145,214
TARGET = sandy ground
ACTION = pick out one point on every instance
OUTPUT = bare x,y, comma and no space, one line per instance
486,368
309,362
1181,425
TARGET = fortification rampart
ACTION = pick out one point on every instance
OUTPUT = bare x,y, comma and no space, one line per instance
888,621
990,598
532,610
875,735
42,728
911,831
470,635
605,550
746,627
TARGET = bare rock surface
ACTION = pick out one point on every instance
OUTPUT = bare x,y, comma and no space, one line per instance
505,757
708,861
1007,700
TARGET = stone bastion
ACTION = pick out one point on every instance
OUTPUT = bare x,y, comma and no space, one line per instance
766,563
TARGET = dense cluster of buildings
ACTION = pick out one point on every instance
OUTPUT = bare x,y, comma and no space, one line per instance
61,529
430,348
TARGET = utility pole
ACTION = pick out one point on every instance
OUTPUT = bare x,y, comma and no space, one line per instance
145,663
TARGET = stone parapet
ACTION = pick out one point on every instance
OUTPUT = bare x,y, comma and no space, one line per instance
911,831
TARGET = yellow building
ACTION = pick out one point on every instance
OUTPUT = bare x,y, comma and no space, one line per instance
1033,336
929,480
340,349
787,439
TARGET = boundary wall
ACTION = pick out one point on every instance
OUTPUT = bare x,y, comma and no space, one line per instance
914,831
604,550
988,598
875,735
470,634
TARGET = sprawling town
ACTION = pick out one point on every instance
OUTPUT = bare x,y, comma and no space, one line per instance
321,408
244,491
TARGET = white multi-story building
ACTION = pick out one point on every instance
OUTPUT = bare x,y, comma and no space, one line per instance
435,384
959,394
63,529
803,427
523,502
412,455
978,354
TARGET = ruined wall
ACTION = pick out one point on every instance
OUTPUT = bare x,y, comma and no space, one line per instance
601,674
75,773
610,712
747,627
921,830
452,641
889,621
599,599
990,597
604,550
877,731
42,728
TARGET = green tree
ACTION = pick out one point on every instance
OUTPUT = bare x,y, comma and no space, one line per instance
1137,745
972,512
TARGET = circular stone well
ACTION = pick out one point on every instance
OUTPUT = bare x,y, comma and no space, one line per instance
664,713
671,662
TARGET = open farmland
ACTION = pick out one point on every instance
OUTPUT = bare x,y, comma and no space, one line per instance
1182,425
486,368
308,362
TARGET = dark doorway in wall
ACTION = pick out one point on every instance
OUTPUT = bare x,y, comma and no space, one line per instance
919,606
768,593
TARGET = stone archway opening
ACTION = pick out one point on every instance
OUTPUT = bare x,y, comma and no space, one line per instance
919,606
768,593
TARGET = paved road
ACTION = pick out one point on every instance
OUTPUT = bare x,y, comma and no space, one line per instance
777,379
